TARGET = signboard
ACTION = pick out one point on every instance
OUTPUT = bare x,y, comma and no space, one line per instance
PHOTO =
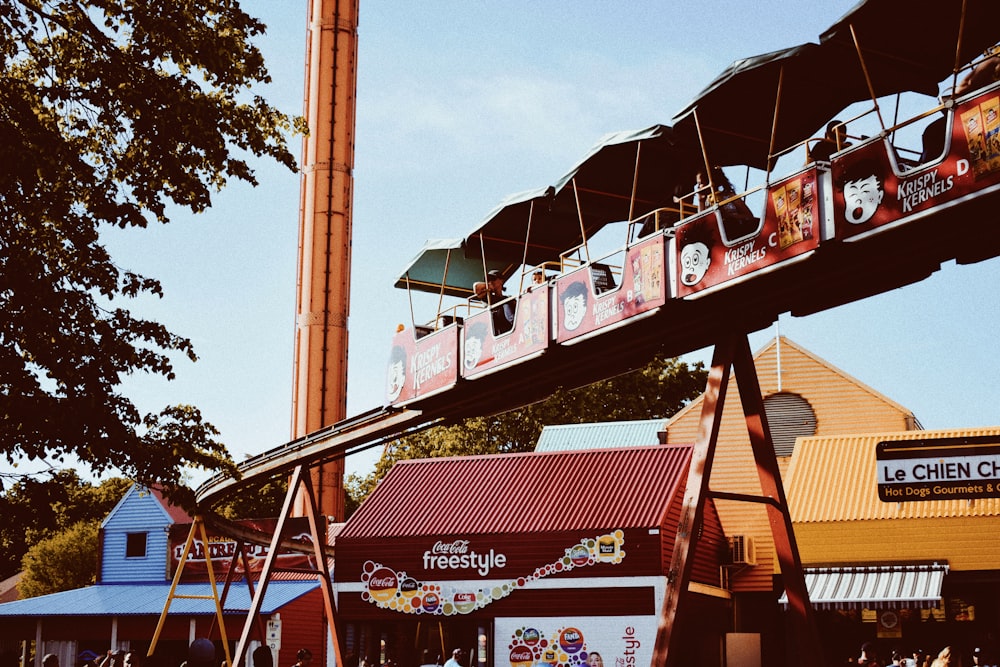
599,297
485,576
221,549
611,641
938,468
484,351
728,243
869,193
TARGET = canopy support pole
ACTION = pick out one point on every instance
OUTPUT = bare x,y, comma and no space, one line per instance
732,352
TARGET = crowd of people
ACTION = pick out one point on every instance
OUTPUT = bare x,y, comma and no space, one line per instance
949,656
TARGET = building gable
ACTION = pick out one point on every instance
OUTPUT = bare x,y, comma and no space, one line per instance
134,537
837,404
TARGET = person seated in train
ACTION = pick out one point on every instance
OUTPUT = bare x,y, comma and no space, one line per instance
501,308
538,278
737,218
834,139
982,74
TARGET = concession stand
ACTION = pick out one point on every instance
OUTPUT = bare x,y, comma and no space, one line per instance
526,559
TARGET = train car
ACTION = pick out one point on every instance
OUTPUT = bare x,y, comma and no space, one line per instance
425,358
685,236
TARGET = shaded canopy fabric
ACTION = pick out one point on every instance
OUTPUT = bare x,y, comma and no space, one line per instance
904,48
805,86
900,37
602,182
442,264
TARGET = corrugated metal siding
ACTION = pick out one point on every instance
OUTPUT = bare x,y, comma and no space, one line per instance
522,493
841,404
834,479
565,437
139,512
966,543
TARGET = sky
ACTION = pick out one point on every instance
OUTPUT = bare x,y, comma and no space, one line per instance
460,104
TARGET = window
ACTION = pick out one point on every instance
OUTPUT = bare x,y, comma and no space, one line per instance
790,416
135,545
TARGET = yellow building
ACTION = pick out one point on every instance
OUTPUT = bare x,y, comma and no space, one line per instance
904,574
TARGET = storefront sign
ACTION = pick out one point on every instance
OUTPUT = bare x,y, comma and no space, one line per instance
395,590
611,641
938,469
222,549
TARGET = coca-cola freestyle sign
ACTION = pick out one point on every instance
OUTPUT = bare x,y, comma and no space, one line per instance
395,590
457,555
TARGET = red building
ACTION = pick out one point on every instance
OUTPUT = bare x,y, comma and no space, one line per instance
525,559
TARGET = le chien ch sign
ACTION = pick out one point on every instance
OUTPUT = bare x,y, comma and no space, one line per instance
938,469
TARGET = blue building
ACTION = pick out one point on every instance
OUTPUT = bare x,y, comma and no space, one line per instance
138,555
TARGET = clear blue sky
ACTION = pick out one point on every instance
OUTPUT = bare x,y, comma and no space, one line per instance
460,104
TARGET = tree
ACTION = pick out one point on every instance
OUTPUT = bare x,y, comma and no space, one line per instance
659,389
65,561
33,510
111,112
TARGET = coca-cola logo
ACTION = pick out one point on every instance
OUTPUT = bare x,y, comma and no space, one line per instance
382,584
520,654
408,586
456,547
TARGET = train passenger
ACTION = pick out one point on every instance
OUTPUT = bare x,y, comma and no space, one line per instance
834,139
502,309
538,277
983,73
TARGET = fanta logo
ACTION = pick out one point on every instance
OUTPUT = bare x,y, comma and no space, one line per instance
571,640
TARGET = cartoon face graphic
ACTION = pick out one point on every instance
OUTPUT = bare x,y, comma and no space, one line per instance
396,376
695,258
861,199
574,301
474,345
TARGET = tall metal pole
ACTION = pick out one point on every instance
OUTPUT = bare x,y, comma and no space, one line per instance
319,393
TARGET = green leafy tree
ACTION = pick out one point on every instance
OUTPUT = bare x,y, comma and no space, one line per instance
65,561
659,389
258,502
32,510
111,113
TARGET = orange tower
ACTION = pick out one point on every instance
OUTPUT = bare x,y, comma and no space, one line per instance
319,393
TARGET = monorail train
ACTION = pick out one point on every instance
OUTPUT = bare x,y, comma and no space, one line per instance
863,217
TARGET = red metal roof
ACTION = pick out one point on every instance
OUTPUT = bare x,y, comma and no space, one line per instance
520,493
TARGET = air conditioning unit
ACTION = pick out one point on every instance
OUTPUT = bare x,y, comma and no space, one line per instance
741,548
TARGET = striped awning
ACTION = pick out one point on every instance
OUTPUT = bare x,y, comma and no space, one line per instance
874,587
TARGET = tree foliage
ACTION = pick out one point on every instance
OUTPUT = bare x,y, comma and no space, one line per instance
65,561
111,113
33,510
264,500
659,389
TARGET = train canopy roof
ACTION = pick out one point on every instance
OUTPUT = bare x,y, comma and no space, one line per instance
625,174
904,49
804,86
929,42
441,265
